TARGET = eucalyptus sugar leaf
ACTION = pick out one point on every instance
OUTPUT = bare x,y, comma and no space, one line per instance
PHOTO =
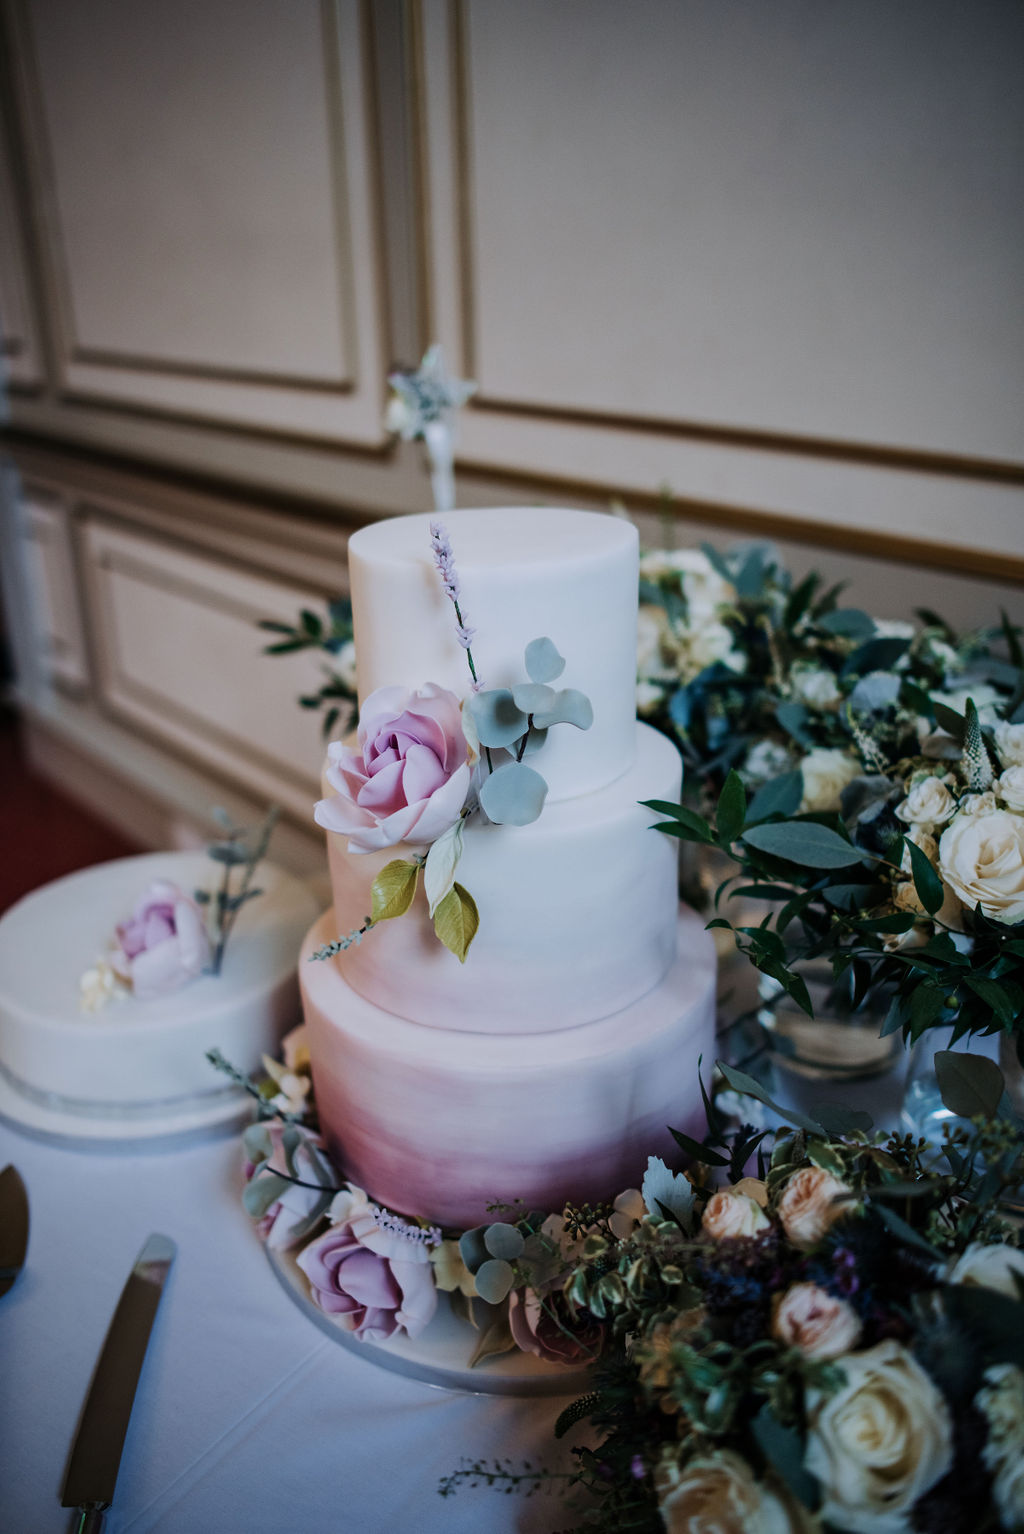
533,697
262,1190
503,1240
498,721
968,1084
803,842
543,662
391,893
513,795
494,1279
570,706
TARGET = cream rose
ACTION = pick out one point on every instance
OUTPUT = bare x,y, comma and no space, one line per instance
981,858
929,803
711,642
728,1214
826,771
765,760
989,1267
949,914
651,630
815,685
1010,744
978,804
927,843
1001,1399
717,1494
1010,788
818,1323
879,1442
808,1205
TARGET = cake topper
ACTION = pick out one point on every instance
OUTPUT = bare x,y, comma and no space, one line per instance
425,405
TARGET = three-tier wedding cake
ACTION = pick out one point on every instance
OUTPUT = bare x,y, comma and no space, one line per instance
548,1061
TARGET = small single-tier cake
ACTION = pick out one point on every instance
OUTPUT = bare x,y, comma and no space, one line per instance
138,1065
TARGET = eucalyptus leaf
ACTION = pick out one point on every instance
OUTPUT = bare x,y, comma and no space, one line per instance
392,891
262,1190
513,795
875,655
502,1240
494,1278
456,921
534,740
533,697
442,861
497,719
968,1084
848,621
472,1248
543,662
804,842
569,706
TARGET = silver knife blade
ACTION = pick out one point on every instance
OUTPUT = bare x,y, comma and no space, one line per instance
13,1226
96,1454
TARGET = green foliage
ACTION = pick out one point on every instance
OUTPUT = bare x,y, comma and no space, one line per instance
456,921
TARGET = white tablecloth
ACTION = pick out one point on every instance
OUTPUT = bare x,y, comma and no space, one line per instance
248,1417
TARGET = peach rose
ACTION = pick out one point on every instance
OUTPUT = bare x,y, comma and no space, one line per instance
728,1214
808,1206
816,1322
717,1494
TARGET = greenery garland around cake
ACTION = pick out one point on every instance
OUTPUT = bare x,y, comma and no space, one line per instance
815,1328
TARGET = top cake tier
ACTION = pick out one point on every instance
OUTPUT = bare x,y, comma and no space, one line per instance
524,572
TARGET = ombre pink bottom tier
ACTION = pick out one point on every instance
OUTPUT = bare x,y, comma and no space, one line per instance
442,1123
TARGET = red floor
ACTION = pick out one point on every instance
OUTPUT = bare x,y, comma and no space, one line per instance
42,834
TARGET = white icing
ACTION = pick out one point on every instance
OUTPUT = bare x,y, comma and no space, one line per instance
577,913
525,572
149,1051
439,1123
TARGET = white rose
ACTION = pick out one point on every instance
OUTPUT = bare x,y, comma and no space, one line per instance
981,858
1010,788
729,1214
1001,1400
927,843
648,696
815,685
818,1323
718,1494
714,641
651,628
943,654
809,1206
977,804
894,628
929,803
826,771
764,761
989,1267
1010,744
879,1442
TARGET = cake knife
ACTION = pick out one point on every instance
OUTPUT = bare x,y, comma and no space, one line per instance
96,1454
13,1226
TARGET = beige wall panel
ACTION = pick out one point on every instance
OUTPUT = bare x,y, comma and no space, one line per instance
53,590
768,254
204,174
180,654
21,363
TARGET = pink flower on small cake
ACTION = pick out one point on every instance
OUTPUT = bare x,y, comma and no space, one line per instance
407,779
372,1270
164,945
545,1325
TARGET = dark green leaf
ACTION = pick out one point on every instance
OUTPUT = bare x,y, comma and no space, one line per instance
804,842
848,621
779,796
838,1119
969,1084
992,993
905,1232
875,655
699,1152
793,718
926,880
783,1448
953,723
740,1082
732,808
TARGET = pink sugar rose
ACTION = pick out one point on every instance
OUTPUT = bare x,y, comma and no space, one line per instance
376,1281
408,779
164,945
547,1327
288,1220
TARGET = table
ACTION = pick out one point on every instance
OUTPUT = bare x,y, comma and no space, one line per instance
249,1420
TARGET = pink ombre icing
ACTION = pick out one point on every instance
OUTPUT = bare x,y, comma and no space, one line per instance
408,779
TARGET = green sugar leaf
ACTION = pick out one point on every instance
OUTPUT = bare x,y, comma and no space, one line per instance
543,662
533,697
494,1279
926,881
804,842
503,1240
513,795
456,921
498,721
570,706
393,890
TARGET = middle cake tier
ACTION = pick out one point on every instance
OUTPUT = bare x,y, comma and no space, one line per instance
577,914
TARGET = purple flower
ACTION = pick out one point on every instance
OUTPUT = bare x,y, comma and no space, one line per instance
376,1280
164,945
409,777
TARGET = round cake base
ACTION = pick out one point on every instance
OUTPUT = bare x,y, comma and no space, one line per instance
226,1113
440,1357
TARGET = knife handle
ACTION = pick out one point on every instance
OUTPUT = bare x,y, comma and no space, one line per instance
90,1518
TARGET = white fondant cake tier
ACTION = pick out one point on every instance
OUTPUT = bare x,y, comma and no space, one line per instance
525,572
136,1058
577,913
440,1123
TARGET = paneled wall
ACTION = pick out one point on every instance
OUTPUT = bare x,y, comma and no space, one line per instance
766,256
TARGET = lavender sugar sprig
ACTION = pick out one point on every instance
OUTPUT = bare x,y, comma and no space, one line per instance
444,559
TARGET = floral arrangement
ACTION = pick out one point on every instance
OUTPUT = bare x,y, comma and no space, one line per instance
425,761
750,670
173,937
834,1343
